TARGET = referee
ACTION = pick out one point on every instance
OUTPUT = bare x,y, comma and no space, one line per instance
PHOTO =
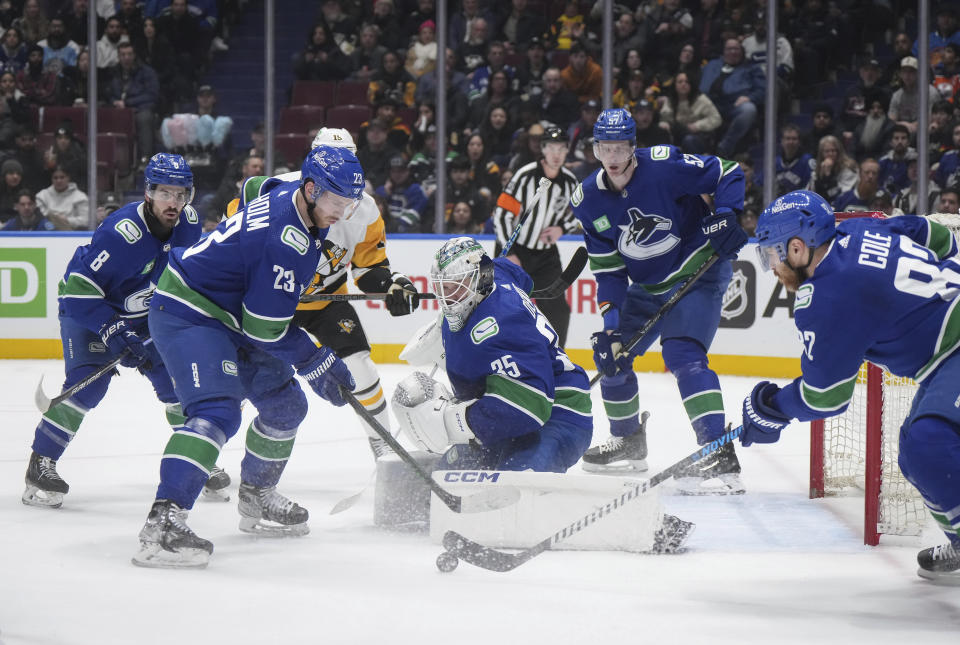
535,248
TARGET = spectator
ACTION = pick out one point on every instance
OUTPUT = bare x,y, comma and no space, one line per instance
189,44
872,134
74,16
67,153
385,110
376,153
531,71
794,166
520,25
154,50
815,31
461,188
202,136
632,63
385,17
365,59
461,20
569,27
28,217
904,106
484,172
29,159
423,166
39,86
631,92
497,133
862,195
947,78
823,126
496,60
947,171
13,52
583,127
75,81
135,85
584,160
231,186
835,173
473,52
706,31
457,104
497,93
902,45
527,147
58,50
893,165
422,55
411,25
628,36
321,59
691,115
391,79
941,129
753,203
343,27
406,201
107,45
33,24
461,220
63,203
14,109
650,132
582,76
950,201
131,17
907,199
858,99
557,104
945,32
737,88
671,24
755,51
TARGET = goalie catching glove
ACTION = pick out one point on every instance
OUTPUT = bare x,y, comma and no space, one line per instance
402,296
429,415
324,372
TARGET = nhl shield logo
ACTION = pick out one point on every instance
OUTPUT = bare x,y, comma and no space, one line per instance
347,325
739,301
646,236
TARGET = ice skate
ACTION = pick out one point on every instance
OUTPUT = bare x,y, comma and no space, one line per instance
215,490
671,535
45,488
167,542
379,447
264,511
620,454
716,474
940,564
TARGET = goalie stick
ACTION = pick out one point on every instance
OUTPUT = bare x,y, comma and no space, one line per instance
667,306
481,502
494,560
44,403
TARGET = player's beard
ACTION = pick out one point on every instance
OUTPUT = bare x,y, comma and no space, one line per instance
792,277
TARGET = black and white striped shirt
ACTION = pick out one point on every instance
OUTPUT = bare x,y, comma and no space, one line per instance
553,209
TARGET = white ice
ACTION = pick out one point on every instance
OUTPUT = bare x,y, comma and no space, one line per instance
768,567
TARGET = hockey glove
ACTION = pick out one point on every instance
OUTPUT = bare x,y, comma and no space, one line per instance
324,372
762,422
607,348
402,296
726,235
428,414
121,340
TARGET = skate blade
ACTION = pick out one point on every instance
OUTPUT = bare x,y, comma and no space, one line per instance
261,528
621,467
153,556
215,495
34,496
722,485
947,579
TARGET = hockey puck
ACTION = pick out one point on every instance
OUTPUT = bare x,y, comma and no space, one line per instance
447,562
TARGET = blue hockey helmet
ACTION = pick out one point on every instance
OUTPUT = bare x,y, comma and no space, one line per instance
333,169
615,124
802,214
168,169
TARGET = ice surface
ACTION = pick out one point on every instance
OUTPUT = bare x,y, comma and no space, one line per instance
767,567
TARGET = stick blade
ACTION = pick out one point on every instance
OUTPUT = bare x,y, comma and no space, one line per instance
479,555
576,265
346,503
40,399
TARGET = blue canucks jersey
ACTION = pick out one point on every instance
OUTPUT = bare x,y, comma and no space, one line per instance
248,275
649,232
948,169
506,356
886,291
117,271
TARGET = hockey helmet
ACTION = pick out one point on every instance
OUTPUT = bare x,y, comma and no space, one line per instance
335,138
461,276
332,169
802,214
168,169
614,136
553,134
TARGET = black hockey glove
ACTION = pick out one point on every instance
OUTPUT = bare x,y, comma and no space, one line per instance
762,422
324,372
119,337
726,235
402,296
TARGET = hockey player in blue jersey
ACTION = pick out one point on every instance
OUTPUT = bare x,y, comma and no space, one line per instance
647,229
221,318
518,402
885,291
104,296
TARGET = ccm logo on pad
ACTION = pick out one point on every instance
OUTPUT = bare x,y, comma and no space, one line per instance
470,476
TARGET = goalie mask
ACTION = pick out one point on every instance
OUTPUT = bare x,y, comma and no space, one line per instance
461,276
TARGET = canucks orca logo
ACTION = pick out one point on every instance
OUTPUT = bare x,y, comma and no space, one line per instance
642,238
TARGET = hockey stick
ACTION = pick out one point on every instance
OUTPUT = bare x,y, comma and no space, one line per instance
667,306
493,560
478,503
315,297
537,196
44,403
559,286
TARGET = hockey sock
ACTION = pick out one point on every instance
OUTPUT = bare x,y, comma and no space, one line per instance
175,416
190,455
621,401
60,423
368,390
699,387
929,458
267,452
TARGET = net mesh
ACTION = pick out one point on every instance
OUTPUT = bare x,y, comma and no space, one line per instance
900,509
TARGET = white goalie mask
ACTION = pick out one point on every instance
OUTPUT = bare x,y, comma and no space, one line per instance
461,276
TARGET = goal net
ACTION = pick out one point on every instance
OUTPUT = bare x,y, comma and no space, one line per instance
859,448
